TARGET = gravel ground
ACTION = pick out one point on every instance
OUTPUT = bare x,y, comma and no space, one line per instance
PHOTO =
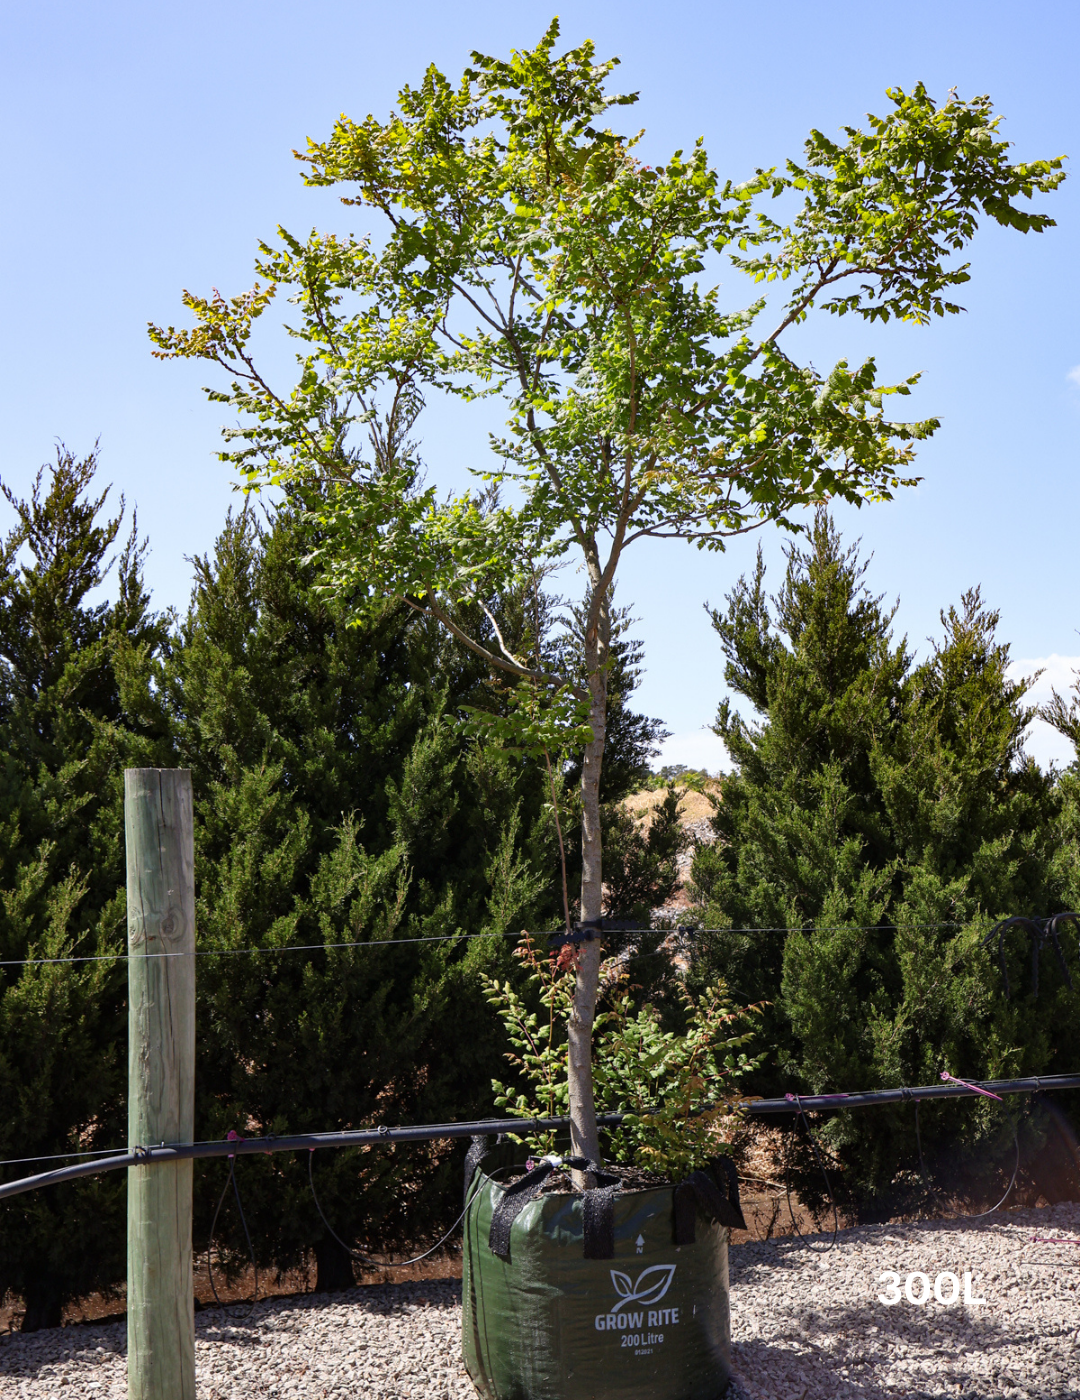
381,1343
810,1325
806,1325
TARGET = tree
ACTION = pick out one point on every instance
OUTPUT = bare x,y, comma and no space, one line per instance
337,802
531,255
879,817
65,738
1063,713
801,832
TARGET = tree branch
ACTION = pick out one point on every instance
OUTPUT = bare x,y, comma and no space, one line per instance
512,668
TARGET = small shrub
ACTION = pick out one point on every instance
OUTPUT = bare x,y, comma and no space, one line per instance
677,1089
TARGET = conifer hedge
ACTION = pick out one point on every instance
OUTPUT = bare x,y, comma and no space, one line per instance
336,801
881,816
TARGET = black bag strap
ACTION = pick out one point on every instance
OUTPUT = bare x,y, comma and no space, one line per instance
727,1176
598,1217
684,1213
702,1191
475,1155
510,1205
598,1208
582,1164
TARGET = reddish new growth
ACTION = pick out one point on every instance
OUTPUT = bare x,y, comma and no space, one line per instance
569,957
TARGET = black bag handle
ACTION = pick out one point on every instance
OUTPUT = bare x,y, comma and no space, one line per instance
475,1155
598,1207
715,1193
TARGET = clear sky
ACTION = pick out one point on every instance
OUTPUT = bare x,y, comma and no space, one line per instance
149,146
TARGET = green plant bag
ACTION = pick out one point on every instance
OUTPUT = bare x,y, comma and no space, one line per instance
545,1323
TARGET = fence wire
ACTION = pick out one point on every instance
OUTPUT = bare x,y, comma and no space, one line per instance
686,930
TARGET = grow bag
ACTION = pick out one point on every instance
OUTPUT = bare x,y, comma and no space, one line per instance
615,1294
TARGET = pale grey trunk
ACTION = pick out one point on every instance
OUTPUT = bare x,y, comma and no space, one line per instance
584,1137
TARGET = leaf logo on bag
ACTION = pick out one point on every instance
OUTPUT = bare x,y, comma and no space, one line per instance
651,1285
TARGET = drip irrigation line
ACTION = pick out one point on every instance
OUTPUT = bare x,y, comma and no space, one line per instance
385,1136
927,1182
976,1215
241,1147
1008,1190
814,1249
829,1103
232,1181
399,1263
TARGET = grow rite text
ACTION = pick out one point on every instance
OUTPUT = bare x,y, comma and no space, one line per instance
623,1322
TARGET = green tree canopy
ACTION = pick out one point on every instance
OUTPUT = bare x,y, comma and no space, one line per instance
528,253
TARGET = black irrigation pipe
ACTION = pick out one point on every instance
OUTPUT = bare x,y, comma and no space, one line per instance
817,1103
296,1142
370,1137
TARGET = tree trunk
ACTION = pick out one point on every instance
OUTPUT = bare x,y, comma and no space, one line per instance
333,1267
44,1302
584,1137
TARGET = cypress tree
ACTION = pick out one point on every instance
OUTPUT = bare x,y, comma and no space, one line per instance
801,835
336,803
880,816
65,737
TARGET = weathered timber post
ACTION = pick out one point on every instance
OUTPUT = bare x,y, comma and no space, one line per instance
161,1080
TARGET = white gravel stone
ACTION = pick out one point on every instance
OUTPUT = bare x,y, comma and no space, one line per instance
810,1326
806,1326
379,1342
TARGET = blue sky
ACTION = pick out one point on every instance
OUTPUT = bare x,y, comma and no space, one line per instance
148,147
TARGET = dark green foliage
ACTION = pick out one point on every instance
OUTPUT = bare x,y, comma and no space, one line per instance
879,817
65,738
1064,714
336,802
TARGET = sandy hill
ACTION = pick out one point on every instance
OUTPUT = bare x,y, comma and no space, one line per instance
694,807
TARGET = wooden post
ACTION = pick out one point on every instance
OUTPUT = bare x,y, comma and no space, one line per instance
161,1080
